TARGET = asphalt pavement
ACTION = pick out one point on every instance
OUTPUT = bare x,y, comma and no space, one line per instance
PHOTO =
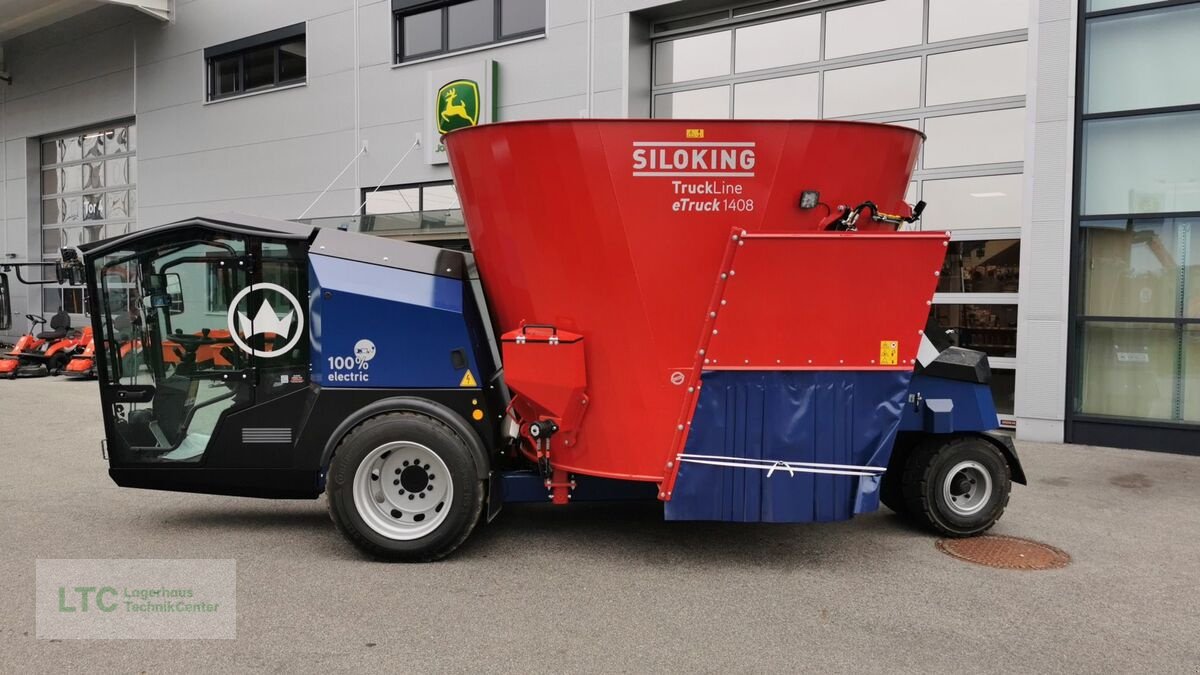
613,588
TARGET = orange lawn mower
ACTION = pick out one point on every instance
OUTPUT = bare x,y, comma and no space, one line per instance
47,352
83,364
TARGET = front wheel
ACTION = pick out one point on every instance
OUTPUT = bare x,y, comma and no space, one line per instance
403,486
957,486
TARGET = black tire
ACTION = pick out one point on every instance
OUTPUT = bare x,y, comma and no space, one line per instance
891,493
925,485
467,489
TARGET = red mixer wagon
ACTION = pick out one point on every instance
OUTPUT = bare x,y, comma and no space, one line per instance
738,319
730,317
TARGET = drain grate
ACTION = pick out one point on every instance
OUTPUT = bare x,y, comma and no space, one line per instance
1008,553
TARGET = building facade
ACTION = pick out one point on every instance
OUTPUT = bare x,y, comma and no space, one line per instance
1058,154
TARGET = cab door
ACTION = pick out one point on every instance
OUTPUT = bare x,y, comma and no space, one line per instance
171,368
204,362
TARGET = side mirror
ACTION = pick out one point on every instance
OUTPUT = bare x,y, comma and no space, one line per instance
154,291
69,268
5,304
175,292
164,291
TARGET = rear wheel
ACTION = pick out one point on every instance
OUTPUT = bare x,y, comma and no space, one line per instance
403,486
958,486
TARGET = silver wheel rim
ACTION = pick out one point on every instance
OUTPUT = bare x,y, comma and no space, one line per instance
402,490
967,488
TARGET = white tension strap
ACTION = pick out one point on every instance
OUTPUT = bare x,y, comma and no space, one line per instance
772,465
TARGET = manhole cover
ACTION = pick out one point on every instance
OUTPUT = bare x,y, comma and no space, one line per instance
1009,553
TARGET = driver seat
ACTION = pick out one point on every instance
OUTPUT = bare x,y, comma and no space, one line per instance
60,323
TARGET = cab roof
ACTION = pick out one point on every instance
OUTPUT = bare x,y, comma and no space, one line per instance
236,223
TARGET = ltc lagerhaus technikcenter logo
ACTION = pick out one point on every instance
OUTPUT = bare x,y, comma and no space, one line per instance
457,105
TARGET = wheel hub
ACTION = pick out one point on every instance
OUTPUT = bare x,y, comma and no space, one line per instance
402,490
414,478
967,488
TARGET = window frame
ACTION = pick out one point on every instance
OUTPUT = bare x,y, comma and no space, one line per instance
274,39
1083,427
418,209
402,9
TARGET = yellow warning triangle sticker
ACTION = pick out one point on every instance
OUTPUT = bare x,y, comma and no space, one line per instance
468,380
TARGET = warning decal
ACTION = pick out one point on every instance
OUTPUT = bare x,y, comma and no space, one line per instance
468,380
887,352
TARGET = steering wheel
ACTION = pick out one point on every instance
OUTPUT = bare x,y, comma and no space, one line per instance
192,342
35,319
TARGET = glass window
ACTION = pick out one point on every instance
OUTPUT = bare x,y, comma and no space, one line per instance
69,149
93,175
471,23
892,85
1004,387
975,138
80,190
1101,5
119,140
1141,268
49,152
1128,369
118,204
70,299
425,211
518,17
422,33
259,68
453,26
50,214
439,198
93,206
293,60
778,43
983,266
50,240
950,19
991,329
116,172
1190,405
273,60
780,98
1134,60
62,179
692,58
976,74
1146,164
711,103
93,144
70,209
405,200
973,203
50,182
873,27
225,76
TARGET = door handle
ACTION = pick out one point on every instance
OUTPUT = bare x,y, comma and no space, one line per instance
134,393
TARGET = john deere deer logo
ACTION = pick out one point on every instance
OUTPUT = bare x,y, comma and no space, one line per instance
457,106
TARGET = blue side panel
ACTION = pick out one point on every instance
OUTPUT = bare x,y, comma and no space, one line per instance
949,406
380,327
827,417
